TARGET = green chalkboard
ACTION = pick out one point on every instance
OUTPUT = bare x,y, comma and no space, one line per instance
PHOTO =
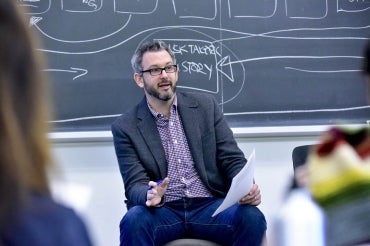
268,63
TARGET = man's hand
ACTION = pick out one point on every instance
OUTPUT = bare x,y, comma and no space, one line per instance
156,192
253,197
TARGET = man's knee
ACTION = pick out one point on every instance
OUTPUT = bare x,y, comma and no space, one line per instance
134,217
252,216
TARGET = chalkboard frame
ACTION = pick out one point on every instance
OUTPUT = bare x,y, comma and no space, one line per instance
239,133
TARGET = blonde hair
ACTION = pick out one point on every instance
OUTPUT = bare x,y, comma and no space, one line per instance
24,147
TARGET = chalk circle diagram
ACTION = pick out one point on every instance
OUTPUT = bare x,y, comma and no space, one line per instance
204,63
62,32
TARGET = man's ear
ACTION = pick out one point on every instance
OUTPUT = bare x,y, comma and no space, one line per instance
139,80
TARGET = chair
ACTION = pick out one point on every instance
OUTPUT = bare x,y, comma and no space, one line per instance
300,153
191,242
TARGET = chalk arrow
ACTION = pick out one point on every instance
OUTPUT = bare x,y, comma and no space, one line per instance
225,67
34,20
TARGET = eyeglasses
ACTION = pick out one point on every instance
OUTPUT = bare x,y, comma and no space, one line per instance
159,70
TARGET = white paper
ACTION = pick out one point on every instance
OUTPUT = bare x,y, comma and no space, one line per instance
241,184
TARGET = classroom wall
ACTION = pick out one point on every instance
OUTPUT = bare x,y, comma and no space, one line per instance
95,188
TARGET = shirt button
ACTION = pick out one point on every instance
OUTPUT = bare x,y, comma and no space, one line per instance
175,141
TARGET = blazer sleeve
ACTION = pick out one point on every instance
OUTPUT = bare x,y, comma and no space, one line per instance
229,157
134,175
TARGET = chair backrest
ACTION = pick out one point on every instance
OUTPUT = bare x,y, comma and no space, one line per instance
300,153
191,242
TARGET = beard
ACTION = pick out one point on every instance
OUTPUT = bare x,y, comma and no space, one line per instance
163,96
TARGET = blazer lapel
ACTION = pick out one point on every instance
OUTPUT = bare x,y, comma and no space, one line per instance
149,131
189,115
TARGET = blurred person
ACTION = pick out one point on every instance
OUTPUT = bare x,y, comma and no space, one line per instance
177,158
339,181
337,175
28,214
301,173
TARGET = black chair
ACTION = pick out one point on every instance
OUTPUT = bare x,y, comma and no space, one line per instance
191,242
300,154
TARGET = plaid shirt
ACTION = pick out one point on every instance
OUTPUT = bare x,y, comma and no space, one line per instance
184,179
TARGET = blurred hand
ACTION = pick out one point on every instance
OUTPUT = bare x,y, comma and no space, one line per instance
253,197
156,192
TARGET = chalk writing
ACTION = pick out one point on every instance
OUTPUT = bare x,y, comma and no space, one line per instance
253,56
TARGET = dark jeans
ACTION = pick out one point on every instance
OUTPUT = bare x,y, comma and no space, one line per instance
242,225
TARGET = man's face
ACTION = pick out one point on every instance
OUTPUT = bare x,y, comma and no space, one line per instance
161,86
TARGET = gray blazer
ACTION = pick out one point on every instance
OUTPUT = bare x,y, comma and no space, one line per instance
141,156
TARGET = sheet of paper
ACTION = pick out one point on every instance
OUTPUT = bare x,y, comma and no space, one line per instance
240,186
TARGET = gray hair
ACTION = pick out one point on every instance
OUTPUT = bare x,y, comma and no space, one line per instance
149,46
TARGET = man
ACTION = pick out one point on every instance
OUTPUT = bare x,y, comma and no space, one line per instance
177,158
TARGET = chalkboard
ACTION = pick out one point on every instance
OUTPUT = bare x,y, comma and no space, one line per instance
268,63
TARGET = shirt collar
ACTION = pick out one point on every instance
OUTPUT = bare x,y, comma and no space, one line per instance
157,114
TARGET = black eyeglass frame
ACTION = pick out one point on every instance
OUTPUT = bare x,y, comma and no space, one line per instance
167,68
